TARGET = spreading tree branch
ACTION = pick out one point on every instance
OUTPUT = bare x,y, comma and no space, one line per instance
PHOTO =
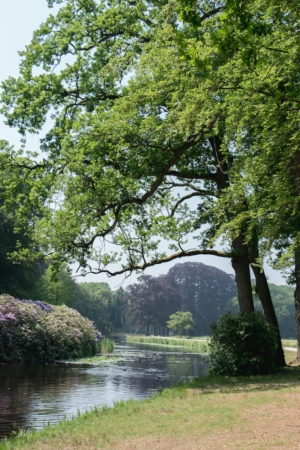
154,262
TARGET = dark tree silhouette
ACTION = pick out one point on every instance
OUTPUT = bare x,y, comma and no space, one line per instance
150,301
205,291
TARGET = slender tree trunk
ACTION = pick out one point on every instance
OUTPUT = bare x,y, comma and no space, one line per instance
264,294
240,260
297,300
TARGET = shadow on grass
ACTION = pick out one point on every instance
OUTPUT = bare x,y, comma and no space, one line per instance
286,377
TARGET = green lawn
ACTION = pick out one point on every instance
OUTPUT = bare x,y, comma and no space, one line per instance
241,413
289,342
289,356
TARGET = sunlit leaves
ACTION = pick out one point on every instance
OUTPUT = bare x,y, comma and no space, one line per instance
134,93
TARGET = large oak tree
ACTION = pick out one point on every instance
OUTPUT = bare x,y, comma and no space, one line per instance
151,115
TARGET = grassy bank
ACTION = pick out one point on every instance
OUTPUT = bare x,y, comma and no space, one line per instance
195,345
239,413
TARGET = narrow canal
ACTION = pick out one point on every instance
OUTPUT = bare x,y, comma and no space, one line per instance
33,396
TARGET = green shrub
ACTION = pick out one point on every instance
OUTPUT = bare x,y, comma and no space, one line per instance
242,344
32,332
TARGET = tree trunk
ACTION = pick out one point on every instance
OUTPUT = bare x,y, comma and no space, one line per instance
240,264
297,300
295,173
240,260
264,294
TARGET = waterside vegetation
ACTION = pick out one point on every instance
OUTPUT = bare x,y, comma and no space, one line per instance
35,332
93,360
195,345
107,345
194,413
199,344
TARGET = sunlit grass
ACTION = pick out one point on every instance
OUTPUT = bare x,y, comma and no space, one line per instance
289,342
194,345
193,412
198,411
289,355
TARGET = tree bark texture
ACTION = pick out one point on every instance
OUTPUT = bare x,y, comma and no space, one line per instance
295,173
240,264
240,261
264,294
297,300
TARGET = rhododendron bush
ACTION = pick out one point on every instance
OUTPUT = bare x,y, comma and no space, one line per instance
33,332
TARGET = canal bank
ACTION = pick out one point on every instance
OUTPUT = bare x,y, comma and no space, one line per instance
33,396
208,413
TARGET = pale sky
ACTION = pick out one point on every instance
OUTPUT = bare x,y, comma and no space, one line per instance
18,20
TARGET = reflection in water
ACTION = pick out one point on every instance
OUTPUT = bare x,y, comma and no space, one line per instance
33,396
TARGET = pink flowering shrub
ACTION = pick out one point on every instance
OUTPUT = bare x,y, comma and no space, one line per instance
32,332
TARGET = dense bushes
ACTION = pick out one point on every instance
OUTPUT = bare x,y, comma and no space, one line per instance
242,344
37,332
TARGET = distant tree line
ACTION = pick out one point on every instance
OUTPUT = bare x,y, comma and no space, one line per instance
145,306
205,291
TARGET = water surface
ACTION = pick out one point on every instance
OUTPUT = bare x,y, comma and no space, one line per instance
35,395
